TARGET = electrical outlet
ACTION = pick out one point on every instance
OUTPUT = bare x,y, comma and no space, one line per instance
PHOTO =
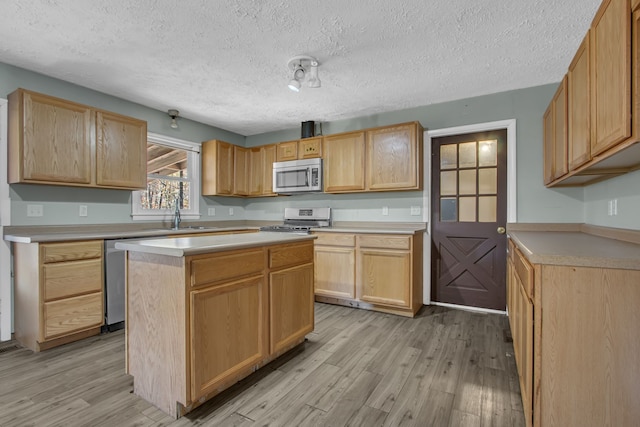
415,210
610,207
385,210
212,211
83,210
230,211
34,210
615,207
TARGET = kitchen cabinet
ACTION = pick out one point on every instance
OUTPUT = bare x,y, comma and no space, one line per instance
344,157
381,272
58,292
394,156
572,341
241,171
335,258
579,107
607,62
387,158
217,168
260,172
306,148
59,142
555,135
269,158
198,324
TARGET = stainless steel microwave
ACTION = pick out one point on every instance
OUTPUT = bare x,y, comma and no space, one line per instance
297,176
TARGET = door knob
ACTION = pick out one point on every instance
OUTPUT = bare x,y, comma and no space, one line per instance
501,230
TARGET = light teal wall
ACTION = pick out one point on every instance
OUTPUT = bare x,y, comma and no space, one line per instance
626,190
535,203
60,204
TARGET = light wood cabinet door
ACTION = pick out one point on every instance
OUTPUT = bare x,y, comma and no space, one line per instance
256,173
579,107
70,315
227,329
392,158
548,152
611,75
269,157
217,168
291,310
384,276
335,274
310,148
121,151
344,157
240,171
287,151
66,279
50,140
560,167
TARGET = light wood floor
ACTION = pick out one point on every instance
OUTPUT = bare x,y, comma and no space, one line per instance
444,368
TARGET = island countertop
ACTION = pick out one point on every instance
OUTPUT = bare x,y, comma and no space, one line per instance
184,246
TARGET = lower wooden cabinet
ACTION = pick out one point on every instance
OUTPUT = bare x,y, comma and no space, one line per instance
199,324
58,292
373,271
576,351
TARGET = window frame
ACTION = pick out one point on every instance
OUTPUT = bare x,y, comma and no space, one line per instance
193,150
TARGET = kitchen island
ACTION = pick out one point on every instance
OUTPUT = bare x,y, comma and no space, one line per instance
204,312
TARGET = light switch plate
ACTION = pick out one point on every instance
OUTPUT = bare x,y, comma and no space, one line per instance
212,211
230,211
385,210
83,210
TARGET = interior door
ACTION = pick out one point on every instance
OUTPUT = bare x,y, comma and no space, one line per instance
469,211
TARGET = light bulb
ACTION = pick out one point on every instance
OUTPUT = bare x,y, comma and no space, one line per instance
294,85
174,123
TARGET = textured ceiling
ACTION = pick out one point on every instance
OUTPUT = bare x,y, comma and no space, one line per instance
224,62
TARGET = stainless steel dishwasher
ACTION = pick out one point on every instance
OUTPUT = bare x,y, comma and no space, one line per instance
114,280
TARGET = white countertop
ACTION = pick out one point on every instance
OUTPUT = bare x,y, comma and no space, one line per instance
367,229
576,249
183,246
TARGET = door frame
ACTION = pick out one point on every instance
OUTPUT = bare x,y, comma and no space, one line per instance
510,126
6,297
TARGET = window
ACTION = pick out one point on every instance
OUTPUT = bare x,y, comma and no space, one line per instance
173,175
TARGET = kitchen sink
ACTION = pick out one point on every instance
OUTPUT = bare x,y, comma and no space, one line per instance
186,228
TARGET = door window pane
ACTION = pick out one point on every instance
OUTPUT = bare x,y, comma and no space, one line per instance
487,209
468,181
467,155
487,181
448,183
488,153
467,209
448,156
448,209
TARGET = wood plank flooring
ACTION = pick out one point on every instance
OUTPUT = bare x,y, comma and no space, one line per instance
358,368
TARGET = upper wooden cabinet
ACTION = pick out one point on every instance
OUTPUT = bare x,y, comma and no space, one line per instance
240,171
53,141
217,168
604,121
307,148
344,157
268,159
394,157
287,151
121,151
555,142
579,107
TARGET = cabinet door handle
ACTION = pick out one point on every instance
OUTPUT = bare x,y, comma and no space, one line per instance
501,230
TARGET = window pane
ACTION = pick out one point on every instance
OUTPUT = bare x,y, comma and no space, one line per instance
487,181
467,209
162,194
448,156
167,161
488,153
448,183
487,209
448,209
468,181
468,155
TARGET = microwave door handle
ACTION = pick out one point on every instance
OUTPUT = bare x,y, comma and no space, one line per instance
308,177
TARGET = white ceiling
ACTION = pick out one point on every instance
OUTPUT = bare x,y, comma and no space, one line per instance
224,62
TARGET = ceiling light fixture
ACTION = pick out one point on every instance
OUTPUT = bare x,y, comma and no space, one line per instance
174,116
304,69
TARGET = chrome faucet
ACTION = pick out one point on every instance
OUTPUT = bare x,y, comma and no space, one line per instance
176,214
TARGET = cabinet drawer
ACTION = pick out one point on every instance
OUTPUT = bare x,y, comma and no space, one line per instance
385,242
66,279
226,266
56,252
72,315
336,239
524,270
289,255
